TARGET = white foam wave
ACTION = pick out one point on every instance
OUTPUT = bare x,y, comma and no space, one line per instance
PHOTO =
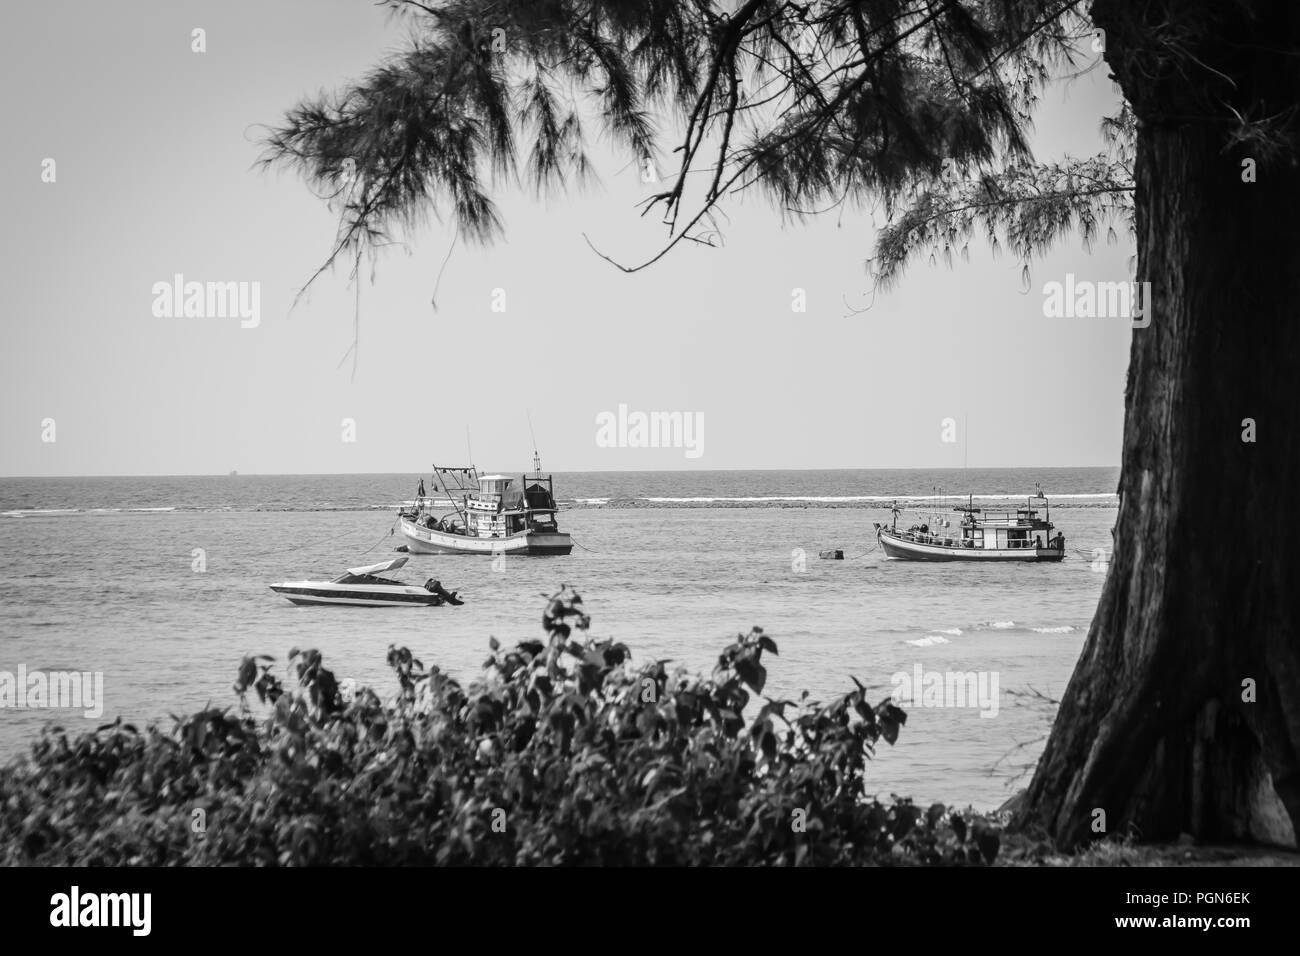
929,640
824,498
833,499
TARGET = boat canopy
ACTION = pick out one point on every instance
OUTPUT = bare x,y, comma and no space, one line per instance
380,568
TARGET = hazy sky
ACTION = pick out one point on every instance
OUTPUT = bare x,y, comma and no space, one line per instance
155,148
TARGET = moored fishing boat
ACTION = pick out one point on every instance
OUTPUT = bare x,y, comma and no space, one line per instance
1019,535
487,516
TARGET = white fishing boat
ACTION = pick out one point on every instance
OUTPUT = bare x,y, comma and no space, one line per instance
362,587
487,515
980,535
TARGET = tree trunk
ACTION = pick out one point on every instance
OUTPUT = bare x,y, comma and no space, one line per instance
1159,727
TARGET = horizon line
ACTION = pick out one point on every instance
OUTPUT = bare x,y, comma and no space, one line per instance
580,471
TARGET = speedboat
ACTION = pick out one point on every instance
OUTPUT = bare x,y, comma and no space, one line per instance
362,587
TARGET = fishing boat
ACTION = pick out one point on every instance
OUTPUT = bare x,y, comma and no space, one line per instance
980,535
487,515
362,587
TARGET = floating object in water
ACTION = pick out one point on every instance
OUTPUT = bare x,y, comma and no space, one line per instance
362,587
836,555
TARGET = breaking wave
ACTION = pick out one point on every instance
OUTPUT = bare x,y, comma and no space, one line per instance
929,640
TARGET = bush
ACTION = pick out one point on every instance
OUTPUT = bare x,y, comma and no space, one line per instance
563,753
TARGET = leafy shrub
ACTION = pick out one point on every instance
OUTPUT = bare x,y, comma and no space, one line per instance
563,753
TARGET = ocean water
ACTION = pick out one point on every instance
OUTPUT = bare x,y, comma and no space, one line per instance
98,574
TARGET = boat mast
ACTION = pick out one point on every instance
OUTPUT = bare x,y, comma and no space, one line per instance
441,474
537,459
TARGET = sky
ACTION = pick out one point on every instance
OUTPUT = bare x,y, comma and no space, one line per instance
155,149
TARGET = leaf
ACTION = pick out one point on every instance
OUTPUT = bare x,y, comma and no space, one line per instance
934,814
986,838
773,707
888,728
246,676
752,673
895,712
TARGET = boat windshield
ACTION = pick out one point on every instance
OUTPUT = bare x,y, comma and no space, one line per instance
365,579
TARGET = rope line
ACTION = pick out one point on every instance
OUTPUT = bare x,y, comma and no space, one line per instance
382,540
299,547
864,553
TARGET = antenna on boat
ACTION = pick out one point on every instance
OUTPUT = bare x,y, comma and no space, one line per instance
469,450
965,448
537,459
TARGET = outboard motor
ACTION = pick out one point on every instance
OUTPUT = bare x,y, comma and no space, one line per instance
435,587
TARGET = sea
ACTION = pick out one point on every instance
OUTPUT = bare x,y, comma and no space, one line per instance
160,585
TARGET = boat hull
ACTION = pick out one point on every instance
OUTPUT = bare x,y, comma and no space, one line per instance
906,550
428,541
331,593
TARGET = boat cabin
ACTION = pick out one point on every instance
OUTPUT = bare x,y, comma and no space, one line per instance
1022,528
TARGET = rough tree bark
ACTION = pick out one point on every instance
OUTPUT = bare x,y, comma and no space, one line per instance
1203,593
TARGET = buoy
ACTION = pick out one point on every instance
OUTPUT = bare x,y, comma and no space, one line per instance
837,555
